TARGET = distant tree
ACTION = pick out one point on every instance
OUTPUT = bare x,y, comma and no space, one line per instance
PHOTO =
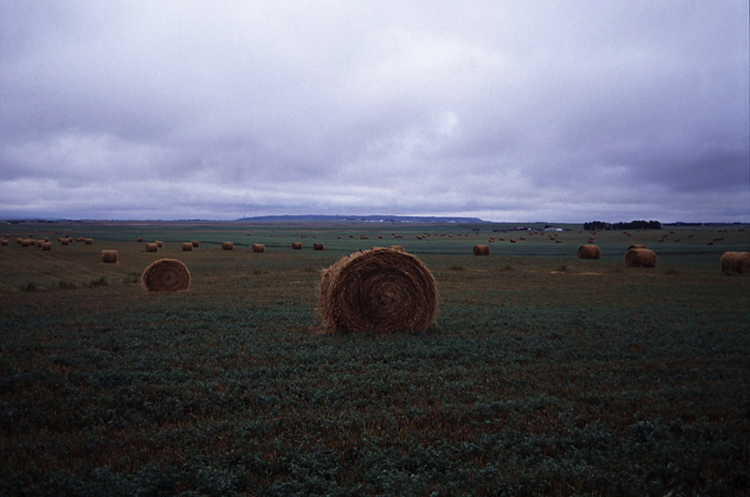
632,225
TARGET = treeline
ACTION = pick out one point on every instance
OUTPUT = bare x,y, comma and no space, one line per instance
632,225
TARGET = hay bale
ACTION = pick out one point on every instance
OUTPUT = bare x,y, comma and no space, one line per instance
195,243
640,257
187,246
139,240
258,247
589,252
46,246
481,250
152,247
318,246
159,243
636,246
109,256
297,246
378,290
227,246
4,242
166,275
735,262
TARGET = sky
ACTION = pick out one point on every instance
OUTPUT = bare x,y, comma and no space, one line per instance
504,110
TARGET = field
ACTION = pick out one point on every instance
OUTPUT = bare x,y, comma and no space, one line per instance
543,374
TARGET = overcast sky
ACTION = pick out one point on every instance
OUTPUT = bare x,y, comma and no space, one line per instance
505,110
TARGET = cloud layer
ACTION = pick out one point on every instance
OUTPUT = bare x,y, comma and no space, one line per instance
550,111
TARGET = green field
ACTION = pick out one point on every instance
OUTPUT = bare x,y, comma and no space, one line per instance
542,375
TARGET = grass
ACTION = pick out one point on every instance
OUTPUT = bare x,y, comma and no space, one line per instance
594,380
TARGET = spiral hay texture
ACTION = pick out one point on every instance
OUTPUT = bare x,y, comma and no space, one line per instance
166,275
589,252
481,250
735,262
380,291
640,257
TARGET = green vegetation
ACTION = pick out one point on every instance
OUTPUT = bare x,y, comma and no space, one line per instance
558,377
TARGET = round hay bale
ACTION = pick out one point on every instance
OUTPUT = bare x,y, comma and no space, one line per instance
481,250
88,241
735,262
296,245
109,256
378,290
589,252
46,246
187,246
139,240
318,246
227,246
159,243
4,242
152,247
166,275
640,257
258,247
195,243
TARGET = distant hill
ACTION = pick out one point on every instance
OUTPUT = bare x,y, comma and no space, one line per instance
363,219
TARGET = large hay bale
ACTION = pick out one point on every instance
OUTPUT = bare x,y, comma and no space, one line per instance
166,275
318,246
735,262
152,247
187,246
481,250
227,246
109,256
378,290
258,247
589,252
296,245
640,257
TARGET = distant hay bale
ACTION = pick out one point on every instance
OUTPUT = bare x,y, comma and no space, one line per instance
4,242
46,246
152,247
735,262
166,275
640,257
195,243
109,256
378,290
398,248
258,247
88,241
139,240
159,243
636,246
589,252
318,246
296,245
227,246
187,246
481,250
25,242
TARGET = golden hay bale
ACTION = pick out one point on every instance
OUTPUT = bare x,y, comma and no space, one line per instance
318,246
109,255
589,252
378,290
159,243
258,247
399,248
152,247
297,246
735,262
196,243
636,246
166,275
481,250
227,246
46,246
187,246
640,257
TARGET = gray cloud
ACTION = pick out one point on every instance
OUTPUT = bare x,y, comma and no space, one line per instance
513,111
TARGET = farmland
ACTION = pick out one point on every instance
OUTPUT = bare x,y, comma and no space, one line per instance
542,374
